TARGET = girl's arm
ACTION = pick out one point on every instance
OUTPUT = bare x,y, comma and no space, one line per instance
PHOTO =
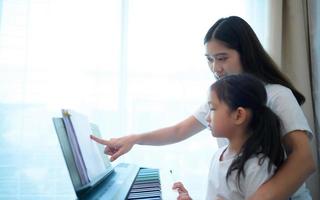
294,171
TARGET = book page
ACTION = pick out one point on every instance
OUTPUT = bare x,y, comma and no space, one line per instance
90,153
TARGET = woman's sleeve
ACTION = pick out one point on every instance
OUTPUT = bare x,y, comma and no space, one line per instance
201,113
284,104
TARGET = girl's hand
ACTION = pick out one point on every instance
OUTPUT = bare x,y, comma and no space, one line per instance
184,196
183,192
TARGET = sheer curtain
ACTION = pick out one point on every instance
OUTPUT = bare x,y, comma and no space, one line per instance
131,66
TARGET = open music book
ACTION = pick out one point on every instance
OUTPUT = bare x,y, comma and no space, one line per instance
89,162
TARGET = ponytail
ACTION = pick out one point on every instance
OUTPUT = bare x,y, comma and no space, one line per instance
264,138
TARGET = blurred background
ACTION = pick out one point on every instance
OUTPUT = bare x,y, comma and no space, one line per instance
131,66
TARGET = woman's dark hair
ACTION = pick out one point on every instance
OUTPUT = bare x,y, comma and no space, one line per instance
237,34
263,129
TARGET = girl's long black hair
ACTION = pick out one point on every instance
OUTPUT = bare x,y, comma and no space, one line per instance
264,132
237,34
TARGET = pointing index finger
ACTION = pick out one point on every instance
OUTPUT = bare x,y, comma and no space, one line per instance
99,140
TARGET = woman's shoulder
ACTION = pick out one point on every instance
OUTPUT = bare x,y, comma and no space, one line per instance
277,89
279,92
284,104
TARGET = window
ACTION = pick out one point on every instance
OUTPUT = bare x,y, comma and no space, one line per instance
132,66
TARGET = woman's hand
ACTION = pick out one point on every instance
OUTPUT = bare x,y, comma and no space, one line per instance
116,147
183,193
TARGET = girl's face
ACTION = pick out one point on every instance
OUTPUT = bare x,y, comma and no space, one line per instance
220,119
222,60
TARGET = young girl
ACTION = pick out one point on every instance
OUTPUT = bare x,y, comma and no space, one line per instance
239,113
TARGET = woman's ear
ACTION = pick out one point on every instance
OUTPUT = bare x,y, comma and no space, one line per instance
240,115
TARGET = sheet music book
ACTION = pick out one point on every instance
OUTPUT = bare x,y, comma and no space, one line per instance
89,162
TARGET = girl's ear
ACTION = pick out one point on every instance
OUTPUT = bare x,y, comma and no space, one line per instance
240,115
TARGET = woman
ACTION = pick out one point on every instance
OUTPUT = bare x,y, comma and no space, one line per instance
232,47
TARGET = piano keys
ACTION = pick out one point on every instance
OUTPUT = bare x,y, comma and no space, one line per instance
129,182
146,185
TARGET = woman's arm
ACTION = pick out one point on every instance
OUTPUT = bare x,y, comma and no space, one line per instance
118,146
170,135
294,171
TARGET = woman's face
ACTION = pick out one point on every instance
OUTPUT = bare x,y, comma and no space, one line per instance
222,60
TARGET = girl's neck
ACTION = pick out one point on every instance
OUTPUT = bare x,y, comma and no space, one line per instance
235,143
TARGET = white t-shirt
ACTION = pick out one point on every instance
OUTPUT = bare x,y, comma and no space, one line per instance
255,175
283,103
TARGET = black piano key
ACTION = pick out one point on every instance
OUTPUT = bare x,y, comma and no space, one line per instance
144,195
149,198
147,178
149,189
148,175
147,182
148,170
145,185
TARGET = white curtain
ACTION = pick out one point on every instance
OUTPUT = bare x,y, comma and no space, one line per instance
130,65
